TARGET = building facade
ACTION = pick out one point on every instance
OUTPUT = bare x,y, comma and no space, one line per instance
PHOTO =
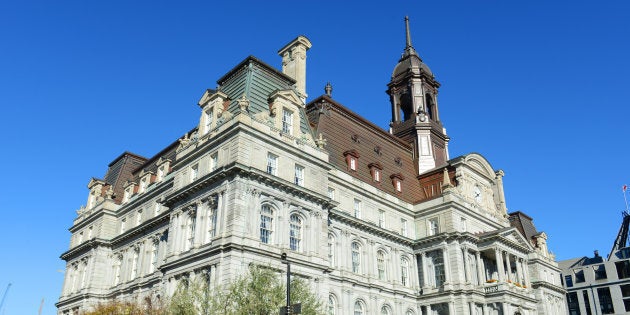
596,285
378,222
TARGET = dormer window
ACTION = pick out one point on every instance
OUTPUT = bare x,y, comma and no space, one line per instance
214,161
397,181
352,159
376,170
143,185
160,173
194,172
287,121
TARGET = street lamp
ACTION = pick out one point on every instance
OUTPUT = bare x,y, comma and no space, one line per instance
284,260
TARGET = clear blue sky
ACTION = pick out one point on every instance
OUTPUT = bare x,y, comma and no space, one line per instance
540,88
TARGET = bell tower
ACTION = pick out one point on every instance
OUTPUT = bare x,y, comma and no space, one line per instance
415,117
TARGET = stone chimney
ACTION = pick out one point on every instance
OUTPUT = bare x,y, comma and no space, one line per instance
294,62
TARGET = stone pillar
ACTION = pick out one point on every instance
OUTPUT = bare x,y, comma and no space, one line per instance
499,259
467,275
508,266
447,266
527,281
519,271
480,272
425,276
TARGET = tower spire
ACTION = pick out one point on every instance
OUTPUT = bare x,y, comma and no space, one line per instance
408,47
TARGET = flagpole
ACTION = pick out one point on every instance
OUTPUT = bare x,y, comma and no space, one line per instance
625,187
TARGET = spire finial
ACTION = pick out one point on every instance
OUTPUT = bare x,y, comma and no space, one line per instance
408,33
409,47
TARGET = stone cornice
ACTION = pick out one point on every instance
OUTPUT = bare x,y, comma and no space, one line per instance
444,237
237,169
84,247
547,285
368,227
138,199
142,229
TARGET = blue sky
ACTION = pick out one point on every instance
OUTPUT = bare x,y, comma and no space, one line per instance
540,88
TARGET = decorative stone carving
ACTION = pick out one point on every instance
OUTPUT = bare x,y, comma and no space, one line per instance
320,141
243,103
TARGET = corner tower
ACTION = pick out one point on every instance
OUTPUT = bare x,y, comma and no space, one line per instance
415,117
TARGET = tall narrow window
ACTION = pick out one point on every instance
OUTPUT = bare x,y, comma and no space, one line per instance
214,161
90,230
157,208
212,222
272,164
123,224
194,172
299,175
126,195
605,301
143,185
404,272
433,226
192,221
463,225
331,193
83,275
287,121
587,303
385,310
209,119
154,257
331,249
266,224
332,305
380,264
356,257
134,265
403,227
160,173
574,305
295,237
353,163
139,217
358,308
357,208
438,264
381,218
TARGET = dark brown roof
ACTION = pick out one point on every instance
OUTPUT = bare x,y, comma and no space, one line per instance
524,224
345,131
120,170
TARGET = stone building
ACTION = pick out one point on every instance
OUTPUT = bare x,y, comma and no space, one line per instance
600,286
379,222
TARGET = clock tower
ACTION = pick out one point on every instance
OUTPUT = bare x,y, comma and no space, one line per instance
415,117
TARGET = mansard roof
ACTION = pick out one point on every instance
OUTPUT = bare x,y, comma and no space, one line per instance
121,170
345,130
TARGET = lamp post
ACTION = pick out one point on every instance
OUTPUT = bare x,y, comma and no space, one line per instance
284,260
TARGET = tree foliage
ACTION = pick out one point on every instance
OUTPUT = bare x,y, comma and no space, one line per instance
261,291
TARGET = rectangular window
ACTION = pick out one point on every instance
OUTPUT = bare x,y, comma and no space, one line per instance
287,121
160,173
299,175
403,227
194,172
463,225
625,293
123,222
272,164
600,272
574,306
579,276
398,185
353,163
605,301
438,264
212,222
381,218
377,175
587,302
434,228
143,185
568,279
214,161
357,208
331,193
623,269
139,217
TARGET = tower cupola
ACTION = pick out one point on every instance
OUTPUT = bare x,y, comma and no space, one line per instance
415,117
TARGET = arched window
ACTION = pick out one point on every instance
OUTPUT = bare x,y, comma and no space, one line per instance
295,237
358,308
331,249
332,305
404,271
385,310
380,264
356,257
410,312
266,224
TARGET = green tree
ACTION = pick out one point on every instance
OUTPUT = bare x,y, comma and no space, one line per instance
258,292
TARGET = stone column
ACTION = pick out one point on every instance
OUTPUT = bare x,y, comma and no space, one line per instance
480,273
447,266
527,281
500,270
425,276
508,266
519,271
467,275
